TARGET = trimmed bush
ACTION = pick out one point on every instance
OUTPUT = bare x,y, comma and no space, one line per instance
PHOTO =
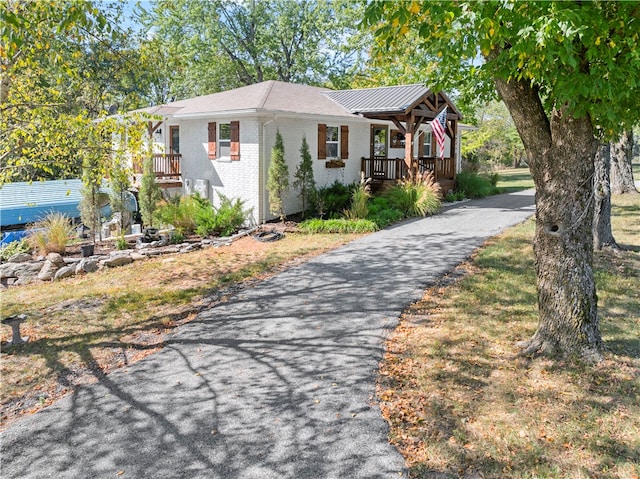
224,220
180,212
331,201
474,185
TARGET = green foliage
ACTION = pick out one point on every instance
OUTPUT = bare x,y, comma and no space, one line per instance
90,203
304,181
338,225
359,208
278,180
386,217
583,56
331,201
496,142
474,185
119,183
51,234
121,243
417,196
453,196
252,42
223,220
149,193
15,247
62,65
180,212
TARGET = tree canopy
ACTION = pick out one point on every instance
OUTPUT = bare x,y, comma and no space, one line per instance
582,55
63,65
568,72
218,45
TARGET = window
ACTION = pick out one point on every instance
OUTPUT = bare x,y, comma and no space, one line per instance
174,139
224,141
397,139
426,143
333,142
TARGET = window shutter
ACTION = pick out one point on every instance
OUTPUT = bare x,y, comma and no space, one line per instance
421,138
322,142
344,142
211,147
235,140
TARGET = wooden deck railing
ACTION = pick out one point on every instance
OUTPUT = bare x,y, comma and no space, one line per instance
165,165
382,168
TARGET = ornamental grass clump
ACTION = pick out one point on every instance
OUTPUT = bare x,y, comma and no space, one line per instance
359,208
51,234
474,185
419,195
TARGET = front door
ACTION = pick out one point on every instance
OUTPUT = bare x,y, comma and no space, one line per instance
174,140
379,141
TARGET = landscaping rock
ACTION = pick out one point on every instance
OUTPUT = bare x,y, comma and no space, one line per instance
19,270
118,260
190,247
56,259
137,256
48,270
86,265
20,258
64,272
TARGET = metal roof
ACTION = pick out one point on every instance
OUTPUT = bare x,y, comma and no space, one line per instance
384,99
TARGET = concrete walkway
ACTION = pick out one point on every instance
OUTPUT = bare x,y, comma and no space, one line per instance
279,382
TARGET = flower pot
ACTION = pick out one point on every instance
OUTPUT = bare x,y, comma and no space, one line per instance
86,250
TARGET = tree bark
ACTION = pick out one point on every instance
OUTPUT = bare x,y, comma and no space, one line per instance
621,170
561,152
602,234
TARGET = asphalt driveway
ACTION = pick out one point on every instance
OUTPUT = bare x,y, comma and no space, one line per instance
278,382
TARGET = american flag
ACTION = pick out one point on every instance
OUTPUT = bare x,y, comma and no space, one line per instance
438,125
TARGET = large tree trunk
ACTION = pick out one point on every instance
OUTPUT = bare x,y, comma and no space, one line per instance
561,152
602,234
621,170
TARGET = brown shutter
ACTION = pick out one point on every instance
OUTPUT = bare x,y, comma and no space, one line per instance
211,148
421,137
235,140
322,142
344,142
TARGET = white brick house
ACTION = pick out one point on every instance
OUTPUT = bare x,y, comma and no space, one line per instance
221,143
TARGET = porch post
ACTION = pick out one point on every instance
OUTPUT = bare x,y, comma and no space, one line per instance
408,143
453,130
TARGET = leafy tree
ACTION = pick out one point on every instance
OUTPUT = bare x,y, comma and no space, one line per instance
621,169
602,233
119,174
496,141
304,180
278,180
149,193
562,69
63,64
219,45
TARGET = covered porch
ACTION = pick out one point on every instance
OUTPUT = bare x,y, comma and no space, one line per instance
409,148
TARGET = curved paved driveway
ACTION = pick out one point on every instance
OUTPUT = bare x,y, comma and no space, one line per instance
278,382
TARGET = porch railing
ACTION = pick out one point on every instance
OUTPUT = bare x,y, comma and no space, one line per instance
383,168
165,165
